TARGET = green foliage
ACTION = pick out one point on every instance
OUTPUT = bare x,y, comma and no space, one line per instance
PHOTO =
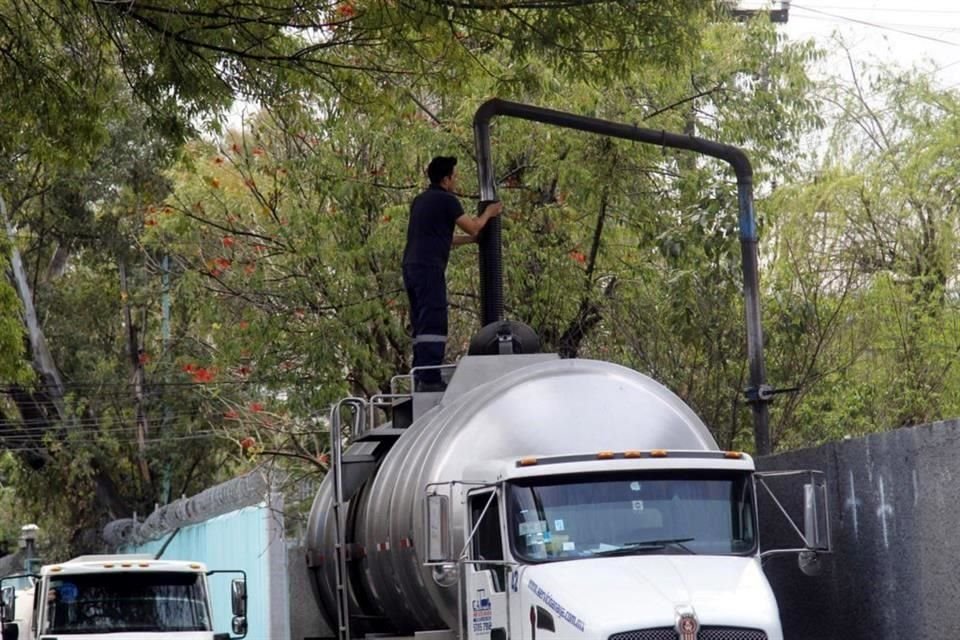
866,268
289,234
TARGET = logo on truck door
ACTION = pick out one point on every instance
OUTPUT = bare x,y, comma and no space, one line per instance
482,612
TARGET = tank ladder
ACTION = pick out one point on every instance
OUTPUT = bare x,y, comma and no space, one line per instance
359,406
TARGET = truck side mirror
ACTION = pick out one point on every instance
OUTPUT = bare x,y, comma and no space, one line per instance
239,626
814,528
8,600
238,602
438,528
238,597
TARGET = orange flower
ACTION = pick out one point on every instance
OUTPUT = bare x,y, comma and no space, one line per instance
222,263
231,415
578,256
150,222
228,241
203,375
247,443
346,10
243,324
256,407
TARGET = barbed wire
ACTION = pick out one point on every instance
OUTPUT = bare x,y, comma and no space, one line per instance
247,490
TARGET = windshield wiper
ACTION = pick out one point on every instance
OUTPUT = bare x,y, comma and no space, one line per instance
628,548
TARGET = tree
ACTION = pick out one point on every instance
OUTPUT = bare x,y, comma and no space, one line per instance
300,221
867,267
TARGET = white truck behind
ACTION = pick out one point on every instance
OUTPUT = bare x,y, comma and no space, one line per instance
118,597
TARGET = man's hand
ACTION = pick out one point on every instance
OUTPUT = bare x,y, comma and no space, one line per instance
473,226
493,209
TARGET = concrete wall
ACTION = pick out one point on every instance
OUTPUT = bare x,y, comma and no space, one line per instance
306,623
895,516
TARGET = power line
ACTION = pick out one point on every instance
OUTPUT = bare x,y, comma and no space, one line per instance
888,25
68,386
96,424
68,444
876,25
15,430
874,10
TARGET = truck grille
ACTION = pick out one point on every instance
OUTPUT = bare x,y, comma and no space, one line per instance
706,633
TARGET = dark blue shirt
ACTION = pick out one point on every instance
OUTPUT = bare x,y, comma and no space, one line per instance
433,216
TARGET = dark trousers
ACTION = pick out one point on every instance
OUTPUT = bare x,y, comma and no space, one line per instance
427,291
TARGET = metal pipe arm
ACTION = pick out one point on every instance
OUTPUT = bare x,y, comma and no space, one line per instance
491,280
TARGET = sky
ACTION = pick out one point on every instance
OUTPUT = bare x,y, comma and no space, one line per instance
906,32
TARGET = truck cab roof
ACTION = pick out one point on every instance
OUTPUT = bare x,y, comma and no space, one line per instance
489,471
118,563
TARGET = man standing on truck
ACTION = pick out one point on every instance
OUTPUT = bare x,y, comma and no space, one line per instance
434,214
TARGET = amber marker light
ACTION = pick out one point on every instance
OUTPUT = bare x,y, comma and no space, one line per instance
733,455
632,454
604,455
658,453
527,462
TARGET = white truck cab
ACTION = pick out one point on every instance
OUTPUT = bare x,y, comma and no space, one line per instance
612,546
119,597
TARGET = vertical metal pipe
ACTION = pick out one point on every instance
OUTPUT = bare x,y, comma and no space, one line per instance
758,394
491,252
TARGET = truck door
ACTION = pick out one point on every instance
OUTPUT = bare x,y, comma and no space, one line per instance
486,583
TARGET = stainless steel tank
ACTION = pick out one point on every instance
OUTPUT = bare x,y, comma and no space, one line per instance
548,408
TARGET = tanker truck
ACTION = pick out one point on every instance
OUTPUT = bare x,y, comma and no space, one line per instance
547,498
541,497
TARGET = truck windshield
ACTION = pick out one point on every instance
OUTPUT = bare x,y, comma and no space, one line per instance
639,512
117,602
